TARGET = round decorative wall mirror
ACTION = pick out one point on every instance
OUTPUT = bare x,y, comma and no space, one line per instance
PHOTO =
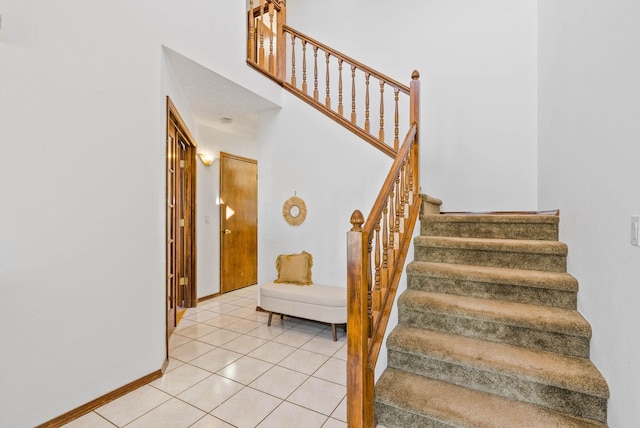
294,211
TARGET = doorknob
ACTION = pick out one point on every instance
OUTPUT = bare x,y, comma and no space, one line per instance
227,231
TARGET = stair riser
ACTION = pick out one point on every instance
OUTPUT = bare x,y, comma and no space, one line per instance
491,290
544,232
393,417
501,384
495,332
505,259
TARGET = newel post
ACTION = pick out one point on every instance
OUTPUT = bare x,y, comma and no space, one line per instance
414,117
357,320
281,45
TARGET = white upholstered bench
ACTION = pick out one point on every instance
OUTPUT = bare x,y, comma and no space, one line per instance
324,303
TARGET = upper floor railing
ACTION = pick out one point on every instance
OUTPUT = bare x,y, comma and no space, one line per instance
367,102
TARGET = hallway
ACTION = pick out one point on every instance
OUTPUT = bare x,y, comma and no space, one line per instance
229,369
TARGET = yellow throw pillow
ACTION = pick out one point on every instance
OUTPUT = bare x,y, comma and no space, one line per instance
294,268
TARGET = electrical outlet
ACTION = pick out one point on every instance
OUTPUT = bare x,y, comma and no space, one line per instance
635,230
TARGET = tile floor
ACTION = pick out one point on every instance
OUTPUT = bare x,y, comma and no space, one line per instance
228,369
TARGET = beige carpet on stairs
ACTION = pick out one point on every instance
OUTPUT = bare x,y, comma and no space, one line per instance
488,333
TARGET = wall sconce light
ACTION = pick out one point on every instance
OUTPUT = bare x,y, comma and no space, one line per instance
206,158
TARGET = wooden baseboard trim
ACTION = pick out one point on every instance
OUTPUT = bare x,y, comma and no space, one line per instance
101,401
209,297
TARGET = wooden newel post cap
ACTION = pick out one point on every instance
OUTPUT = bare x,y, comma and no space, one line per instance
357,220
415,75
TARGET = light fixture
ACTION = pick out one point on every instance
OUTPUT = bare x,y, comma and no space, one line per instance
206,159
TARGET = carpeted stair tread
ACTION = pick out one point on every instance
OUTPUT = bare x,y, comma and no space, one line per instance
549,368
404,399
507,226
528,278
557,320
531,246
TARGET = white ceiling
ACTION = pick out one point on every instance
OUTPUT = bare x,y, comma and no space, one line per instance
213,97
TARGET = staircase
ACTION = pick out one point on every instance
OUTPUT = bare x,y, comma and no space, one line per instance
488,332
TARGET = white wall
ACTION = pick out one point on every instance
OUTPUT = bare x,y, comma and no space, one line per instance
82,117
335,173
213,141
477,62
589,126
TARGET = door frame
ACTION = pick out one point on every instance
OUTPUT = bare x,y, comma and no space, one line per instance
173,222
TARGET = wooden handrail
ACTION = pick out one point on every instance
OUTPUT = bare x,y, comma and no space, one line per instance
378,245
376,252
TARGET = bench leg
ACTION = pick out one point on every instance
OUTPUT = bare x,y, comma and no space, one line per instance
333,330
269,322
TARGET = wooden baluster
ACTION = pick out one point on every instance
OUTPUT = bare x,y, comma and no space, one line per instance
396,140
281,45
369,288
261,43
376,263
272,60
410,175
340,112
399,217
327,99
366,102
293,60
392,227
385,245
251,54
381,133
353,94
304,67
315,73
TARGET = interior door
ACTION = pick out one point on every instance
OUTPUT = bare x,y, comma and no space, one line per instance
180,218
238,222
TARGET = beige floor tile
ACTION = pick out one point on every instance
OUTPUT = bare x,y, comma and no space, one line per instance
133,405
304,361
210,393
216,359
272,352
334,423
319,395
174,413
245,370
247,408
341,353
242,312
184,324
322,345
197,330
243,326
267,332
222,320
173,364
279,381
178,340
189,351
340,412
334,370
178,380
202,316
288,415
220,337
90,420
244,344
210,422
293,337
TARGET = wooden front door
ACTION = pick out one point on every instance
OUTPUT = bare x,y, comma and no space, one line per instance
238,222
180,217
